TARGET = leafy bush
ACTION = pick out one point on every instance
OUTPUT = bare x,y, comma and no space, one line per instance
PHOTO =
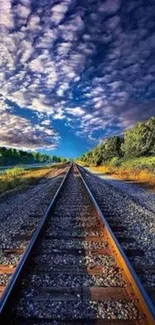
139,140
115,162
141,163
14,172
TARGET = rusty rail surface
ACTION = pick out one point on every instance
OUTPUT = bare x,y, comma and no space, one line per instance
134,288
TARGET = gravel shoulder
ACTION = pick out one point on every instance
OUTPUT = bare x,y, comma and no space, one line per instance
144,196
60,281
20,213
131,206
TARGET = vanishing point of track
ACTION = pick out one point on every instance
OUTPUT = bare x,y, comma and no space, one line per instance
74,270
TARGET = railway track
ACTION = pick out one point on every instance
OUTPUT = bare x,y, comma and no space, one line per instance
144,267
12,249
74,270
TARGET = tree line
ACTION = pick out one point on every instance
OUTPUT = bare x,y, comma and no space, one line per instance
10,156
138,141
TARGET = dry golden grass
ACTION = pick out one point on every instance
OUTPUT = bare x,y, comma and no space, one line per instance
144,177
17,177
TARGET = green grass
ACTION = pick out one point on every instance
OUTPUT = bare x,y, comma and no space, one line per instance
14,172
10,178
141,163
17,176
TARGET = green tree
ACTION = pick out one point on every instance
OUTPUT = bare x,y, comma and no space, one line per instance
10,156
112,148
97,155
139,140
151,135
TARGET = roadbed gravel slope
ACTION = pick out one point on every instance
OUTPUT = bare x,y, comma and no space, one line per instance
144,196
132,205
21,211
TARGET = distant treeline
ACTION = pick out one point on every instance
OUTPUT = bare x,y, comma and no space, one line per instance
136,142
10,156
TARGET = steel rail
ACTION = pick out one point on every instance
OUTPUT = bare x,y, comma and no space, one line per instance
11,290
9,293
16,188
140,292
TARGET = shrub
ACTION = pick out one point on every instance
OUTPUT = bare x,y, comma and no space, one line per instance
14,172
115,162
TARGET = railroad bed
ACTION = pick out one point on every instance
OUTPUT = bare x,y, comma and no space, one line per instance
20,219
73,272
126,229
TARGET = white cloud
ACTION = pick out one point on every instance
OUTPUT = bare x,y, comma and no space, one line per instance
19,98
59,115
22,11
76,111
26,50
46,122
36,65
64,48
34,22
6,17
57,12
99,104
39,105
115,84
19,132
47,40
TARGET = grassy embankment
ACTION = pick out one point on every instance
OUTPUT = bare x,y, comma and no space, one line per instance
18,177
139,170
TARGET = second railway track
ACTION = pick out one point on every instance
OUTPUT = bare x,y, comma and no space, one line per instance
73,271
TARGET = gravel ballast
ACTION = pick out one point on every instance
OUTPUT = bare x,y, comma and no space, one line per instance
120,205
73,273
142,195
20,215
77,310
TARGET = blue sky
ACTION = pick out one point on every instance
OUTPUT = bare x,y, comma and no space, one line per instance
73,73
